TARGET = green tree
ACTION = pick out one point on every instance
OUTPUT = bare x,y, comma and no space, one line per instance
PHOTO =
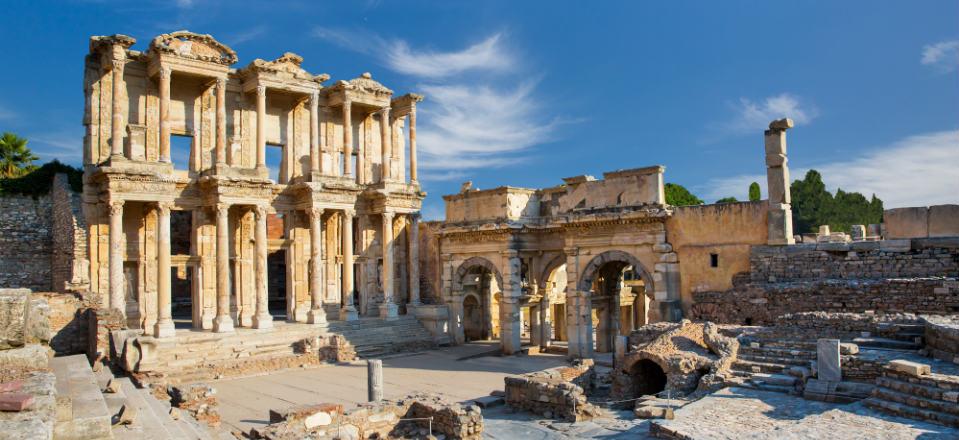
15,158
754,193
727,200
677,195
813,205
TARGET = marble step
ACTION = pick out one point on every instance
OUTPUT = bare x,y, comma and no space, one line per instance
91,417
777,352
916,401
759,367
886,343
774,379
900,410
185,424
148,425
801,362
913,389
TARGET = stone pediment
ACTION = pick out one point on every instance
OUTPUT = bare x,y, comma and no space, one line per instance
189,45
286,66
366,83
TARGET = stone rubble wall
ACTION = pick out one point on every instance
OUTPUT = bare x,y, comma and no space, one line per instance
554,393
942,337
26,242
69,323
810,326
70,267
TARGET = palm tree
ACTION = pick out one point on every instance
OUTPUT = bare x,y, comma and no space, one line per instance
15,158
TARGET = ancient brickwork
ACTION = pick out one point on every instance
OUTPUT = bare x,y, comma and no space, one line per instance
69,323
942,337
70,268
26,242
554,393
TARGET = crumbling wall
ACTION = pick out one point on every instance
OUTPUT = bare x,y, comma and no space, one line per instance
942,337
70,268
922,222
26,242
554,393
69,323
429,255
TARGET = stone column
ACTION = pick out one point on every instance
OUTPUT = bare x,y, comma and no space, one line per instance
535,326
165,74
414,256
164,326
347,139
388,309
412,130
545,315
510,319
220,121
316,314
223,322
579,320
118,299
260,127
779,217
116,141
385,144
348,310
262,319
315,152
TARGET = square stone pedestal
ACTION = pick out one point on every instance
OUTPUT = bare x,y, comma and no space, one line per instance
389,311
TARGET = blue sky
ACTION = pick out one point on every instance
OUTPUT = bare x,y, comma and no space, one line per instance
525,93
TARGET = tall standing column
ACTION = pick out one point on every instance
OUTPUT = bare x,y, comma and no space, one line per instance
316,315
388,309
116,145
510,317
779,215
165,74
223,322
347,139
385,144
260,127
118,300
164,326
414,263
412,130
347,311
262,319
546,331
220,121
315,152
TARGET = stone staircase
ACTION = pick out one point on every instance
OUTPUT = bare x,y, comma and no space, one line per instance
773,365
377,337
930,397
85,411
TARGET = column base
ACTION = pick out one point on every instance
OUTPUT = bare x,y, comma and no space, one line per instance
263,321
316,316
223,324
348,313
389,311
164,329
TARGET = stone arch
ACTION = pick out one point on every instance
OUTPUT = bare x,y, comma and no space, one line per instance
589,272
548,268
471,263
648,374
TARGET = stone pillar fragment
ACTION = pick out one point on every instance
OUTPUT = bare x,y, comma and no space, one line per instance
828,360
388,310
348,310
164,326
374,380
220,121
223,322
315,153
116,141
164,89
117,286
414,257
316,314
779,218
347,139
546,322
510,319
385,144
261,127
262,319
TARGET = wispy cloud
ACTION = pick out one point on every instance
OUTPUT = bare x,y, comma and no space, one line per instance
467,122
246,35
751,116
914,171
65,146
943,56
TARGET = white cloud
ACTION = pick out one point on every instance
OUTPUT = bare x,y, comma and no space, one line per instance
751,117
918,170
943,55
65,146
246,35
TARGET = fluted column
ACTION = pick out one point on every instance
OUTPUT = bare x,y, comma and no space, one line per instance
116,144
315,152
414,263
385,143
347,311
262,319
165,74
316,315
164,326
347,140
223,322
220,121
118,300
260,127
412,131
388,309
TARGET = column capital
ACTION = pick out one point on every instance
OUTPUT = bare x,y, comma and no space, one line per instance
166,72
347,104
221,83
260,90
349,212
261,211
118,64
165,207
384,113
316,213
221,207
389,215
314,97
116,207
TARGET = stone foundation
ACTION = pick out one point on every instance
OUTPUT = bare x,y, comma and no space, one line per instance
554,393
942,337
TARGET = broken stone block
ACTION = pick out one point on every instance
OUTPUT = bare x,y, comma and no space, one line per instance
653,412
14,316
909,367
951,396
15,401
126,416
828,361
113,387
9,387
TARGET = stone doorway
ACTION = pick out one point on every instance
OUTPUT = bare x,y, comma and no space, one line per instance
473,320
276,282
648,378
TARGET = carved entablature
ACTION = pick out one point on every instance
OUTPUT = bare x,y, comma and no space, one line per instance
320,195
362,90
237,191
138,187
283,73
405,104
189,45
111,47
480,236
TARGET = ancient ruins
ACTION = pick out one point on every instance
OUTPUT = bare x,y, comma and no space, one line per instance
243,220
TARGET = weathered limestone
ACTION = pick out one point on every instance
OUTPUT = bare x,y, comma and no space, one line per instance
262,319
347,309
223,322
117,288
164,327
374,380
316,314
777,178
388,309
828,360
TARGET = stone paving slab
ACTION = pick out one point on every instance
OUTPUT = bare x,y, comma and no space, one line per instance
738,413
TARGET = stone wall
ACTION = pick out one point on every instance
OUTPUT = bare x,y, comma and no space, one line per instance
26,242
893,276
69,323
942,337
922,222
554,393
70,268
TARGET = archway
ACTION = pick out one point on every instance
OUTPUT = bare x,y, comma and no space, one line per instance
648,378
552,308
473,326
479,283
618,285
